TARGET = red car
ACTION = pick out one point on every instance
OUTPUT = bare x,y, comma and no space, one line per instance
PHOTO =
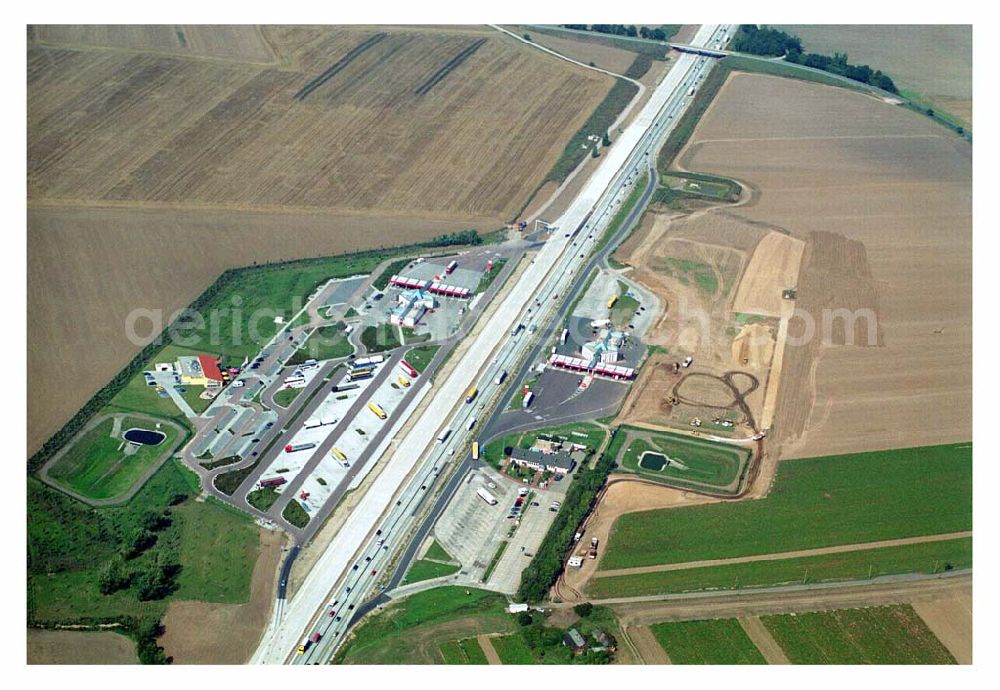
332,613
373,573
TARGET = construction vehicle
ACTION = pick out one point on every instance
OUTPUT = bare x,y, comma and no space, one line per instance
471,395
687,362
592,553
377,409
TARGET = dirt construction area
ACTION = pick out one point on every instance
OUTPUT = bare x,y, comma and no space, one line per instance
882,199
160,156
201,633
622,495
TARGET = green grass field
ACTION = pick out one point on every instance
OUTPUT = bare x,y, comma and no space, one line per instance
136,396
97,467
465,651
491,275
692,462
436,552
818,502
877,635
420,357
396,634
426,570
262,499
929,557
285,396
497,555
326,342
380,338
721,641
687,272
625,307
295,514
512,649
69,544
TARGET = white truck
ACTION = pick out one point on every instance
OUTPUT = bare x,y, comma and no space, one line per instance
500,377
486,496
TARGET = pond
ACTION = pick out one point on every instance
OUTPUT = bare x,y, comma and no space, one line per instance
652,461
144,436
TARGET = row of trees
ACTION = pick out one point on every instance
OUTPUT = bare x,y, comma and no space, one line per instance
630,30
771,42
453,238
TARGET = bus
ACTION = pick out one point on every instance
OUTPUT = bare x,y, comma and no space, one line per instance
379,412
475,450
360,375
471,395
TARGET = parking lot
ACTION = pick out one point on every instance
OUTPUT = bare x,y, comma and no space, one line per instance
470,529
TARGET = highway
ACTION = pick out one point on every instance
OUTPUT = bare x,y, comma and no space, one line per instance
349,570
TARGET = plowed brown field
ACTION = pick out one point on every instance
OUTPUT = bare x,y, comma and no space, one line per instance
160,156
883,198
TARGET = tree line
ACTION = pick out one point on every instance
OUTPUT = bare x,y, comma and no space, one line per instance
657,34
771,42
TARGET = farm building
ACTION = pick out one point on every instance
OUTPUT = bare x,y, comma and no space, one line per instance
199,370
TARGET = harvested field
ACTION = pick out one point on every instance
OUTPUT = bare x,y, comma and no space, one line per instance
79,647
934,61
365,134
606,57
200,633
773,267
949,617
882,197
238,43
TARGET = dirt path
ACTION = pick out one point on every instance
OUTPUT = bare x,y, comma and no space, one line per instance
759,635
648,649
491,654
201,633
842,548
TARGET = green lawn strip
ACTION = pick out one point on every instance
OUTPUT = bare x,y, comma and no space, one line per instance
928,557
491,275
285,396
497,555
263,499
688,271
420,357
427,570
615,225
436,552
380,338
295,514
325,342
583,433
410,336
722,641
845,499
96,466
467,651
707,464
512,649
599,122
395,624
876,635
473,652
69,544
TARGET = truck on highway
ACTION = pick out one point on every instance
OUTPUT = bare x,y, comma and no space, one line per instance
500,377
486,496
408,368
472,423
377,409
475,450
517,329
691,91
528,397
443,436
471,395
296,447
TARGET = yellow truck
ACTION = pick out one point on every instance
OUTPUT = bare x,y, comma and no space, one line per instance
379,412
471,395
612,301
475,450
403,381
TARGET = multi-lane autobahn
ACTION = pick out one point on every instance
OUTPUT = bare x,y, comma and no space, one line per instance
350,571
